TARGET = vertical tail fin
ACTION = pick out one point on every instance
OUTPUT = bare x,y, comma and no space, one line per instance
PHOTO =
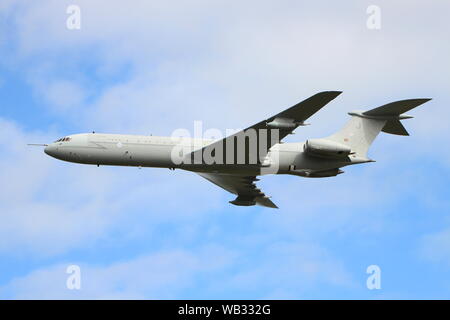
363,127
358,134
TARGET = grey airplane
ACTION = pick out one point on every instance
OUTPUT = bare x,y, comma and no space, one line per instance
234,162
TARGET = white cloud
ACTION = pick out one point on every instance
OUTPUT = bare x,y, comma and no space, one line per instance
36,213
206,271
231,66
292,267
64,95
159,275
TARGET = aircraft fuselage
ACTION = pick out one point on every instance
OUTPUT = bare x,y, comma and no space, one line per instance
154,151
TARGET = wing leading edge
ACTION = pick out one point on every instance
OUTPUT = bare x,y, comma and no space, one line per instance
276,127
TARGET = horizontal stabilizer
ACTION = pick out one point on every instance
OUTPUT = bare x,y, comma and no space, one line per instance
364,126
396,108
395,127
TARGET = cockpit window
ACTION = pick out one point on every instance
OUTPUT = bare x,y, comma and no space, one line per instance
65,139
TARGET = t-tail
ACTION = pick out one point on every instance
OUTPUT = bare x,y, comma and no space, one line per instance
364,126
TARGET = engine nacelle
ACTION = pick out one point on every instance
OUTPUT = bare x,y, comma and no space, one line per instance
243,201
307,173
326,147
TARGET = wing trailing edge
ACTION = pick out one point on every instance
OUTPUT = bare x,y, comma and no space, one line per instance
248,194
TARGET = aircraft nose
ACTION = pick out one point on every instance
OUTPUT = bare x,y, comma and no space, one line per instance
50,150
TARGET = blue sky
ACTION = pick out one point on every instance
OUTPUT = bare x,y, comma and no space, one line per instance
153,67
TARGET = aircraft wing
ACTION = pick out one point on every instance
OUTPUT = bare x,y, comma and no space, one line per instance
276,127
243,186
